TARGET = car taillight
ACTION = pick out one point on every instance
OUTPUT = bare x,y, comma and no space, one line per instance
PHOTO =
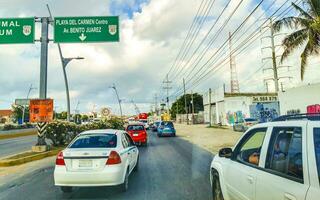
60,159
114,158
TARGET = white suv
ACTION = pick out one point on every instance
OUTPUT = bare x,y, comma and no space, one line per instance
271,161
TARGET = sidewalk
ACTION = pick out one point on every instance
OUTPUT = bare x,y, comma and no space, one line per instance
212,139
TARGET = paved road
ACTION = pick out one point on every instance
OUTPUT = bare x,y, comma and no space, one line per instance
16,145
170,168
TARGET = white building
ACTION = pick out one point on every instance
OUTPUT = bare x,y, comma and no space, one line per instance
227,108
297,99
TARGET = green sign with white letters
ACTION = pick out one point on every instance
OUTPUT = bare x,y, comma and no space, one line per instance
16,30
86,29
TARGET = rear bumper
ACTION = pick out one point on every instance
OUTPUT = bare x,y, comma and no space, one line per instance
109,176
139,139
165,133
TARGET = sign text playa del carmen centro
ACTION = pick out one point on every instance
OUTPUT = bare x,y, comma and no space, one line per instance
86,29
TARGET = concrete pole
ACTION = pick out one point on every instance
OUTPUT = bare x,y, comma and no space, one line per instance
210,114
185,100
43,68
274,59
192,108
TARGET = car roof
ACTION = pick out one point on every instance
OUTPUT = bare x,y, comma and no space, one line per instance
101,131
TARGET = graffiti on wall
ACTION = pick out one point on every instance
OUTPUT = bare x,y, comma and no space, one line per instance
264,112
233,117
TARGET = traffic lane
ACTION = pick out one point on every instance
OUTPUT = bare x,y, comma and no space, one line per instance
17,145
170,168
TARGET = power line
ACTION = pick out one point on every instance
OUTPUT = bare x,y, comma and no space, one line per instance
193,84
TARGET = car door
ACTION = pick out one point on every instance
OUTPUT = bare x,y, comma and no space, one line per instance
313,142
285,172
125,154
241,171
132,151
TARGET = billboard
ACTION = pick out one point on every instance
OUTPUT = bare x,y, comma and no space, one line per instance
41,110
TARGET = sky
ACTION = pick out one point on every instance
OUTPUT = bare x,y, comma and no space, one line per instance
151,34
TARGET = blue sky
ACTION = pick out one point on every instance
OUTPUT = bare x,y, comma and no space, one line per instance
126,8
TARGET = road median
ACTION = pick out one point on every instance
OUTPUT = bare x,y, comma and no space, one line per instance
27,156
17,133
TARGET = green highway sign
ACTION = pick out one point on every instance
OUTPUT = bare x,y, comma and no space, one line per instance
16,30
86,29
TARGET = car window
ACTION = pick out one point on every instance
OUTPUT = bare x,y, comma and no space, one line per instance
285,152
167,124
129,140
316,138
95,141
250,120
124,141
249,148
135,128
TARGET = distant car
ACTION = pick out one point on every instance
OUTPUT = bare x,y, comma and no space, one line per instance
166,128
97,158
145,123
154,126
274,160
244,124
138,133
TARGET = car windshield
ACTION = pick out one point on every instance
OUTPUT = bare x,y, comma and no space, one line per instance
167,124
135,128
95,141
316,137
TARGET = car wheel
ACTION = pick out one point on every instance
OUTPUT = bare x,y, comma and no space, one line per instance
216,188
125,185
136,168
65,189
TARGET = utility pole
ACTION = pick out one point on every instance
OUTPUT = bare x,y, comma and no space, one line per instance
275,66
156,103
167,87
192,108
185,100
177,108
119,100
210,114
24,107
274,59
234,83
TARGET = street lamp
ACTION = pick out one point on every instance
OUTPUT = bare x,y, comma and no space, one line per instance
119,100
24,107
64,62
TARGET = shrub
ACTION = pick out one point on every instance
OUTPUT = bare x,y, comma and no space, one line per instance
62,132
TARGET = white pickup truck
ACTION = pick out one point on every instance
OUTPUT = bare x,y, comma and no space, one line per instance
278,160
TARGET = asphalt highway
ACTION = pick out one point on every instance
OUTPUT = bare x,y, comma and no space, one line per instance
170,168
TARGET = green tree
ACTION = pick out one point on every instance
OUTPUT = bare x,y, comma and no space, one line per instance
178,107
307,32
84,118
62,115
18,112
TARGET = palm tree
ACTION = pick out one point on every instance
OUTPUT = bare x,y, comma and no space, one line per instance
307,34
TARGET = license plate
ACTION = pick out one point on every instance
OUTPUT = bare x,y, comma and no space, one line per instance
135,134
85,163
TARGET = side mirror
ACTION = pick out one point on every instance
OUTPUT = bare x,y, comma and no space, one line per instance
225,153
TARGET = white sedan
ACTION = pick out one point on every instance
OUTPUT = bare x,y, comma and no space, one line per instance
97,158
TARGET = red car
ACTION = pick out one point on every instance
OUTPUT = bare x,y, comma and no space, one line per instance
138,133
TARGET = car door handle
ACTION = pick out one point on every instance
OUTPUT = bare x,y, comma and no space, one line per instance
289,197
250,179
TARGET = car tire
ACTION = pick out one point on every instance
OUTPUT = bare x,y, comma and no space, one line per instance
66,189
125,185
216,187
136,168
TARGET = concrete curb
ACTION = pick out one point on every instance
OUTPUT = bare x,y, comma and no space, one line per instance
12,162
15,135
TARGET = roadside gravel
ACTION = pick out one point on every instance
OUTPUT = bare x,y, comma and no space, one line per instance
212,139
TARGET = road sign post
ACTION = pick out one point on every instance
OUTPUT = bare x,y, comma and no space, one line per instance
86,29
16,30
